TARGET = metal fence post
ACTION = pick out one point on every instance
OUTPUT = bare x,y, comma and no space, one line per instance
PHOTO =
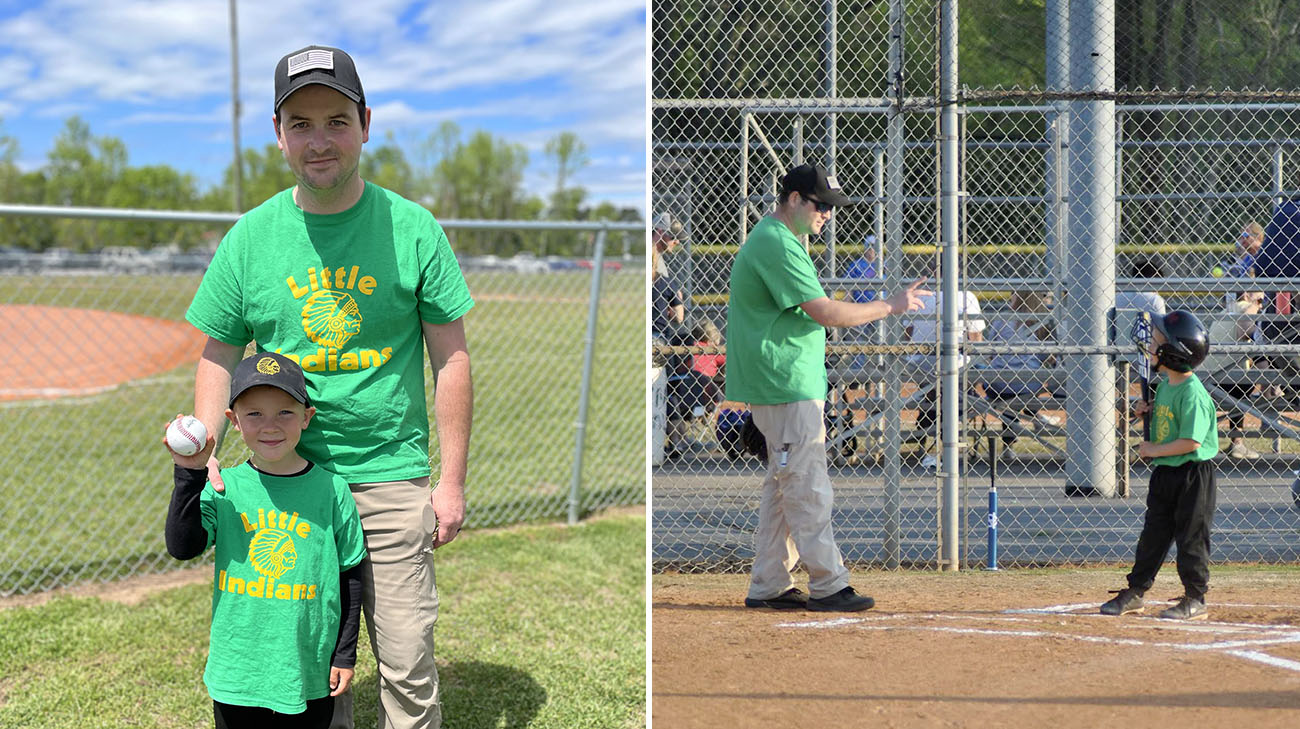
950,395
584,393
1090,250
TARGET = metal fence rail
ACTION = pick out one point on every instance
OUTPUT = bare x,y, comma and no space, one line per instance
98,357
1041,211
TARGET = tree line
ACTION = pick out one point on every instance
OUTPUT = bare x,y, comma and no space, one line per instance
454,174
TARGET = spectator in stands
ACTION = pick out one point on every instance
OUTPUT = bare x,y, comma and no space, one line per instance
1279,257
665,235
667,308
1245,307
706,334
1030,324
864,266
924,330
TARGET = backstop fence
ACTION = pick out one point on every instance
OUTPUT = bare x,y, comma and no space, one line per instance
98,358
1063,191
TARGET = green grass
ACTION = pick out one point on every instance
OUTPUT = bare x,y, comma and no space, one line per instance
84,482
539,626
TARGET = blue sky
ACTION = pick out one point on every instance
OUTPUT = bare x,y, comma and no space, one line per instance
156,74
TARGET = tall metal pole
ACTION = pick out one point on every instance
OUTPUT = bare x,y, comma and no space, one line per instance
1090,252
584,393
831,91
234,107
1054,179
894,150
949,203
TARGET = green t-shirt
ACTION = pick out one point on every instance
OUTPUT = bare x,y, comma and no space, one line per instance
776,353
343,295
1184,410
281,543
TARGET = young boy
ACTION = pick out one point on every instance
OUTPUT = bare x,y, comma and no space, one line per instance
286,596
1182,492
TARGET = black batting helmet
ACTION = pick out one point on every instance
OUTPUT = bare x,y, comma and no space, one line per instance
1187,341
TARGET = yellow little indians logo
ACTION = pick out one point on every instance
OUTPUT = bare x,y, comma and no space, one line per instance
331,318
272,553
268,366
1164,423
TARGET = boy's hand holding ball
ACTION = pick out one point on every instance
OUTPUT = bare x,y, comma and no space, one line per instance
188,441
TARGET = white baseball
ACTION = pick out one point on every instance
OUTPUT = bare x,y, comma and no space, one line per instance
187,435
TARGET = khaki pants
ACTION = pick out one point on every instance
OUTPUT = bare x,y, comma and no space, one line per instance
794,515
400,602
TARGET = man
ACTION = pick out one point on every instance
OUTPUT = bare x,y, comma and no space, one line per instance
665,234
776,362
348,279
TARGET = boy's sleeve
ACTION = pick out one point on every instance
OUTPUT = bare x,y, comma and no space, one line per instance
345,649
1198,419
349,539
190,516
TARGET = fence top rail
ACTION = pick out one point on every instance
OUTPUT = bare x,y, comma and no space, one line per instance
929,103
192,216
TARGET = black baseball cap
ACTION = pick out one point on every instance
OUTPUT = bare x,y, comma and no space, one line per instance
810,179
269,368
317,65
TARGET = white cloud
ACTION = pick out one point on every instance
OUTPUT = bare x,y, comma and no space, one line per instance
522,69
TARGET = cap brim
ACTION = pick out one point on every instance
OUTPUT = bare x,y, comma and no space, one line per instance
317,82
838,199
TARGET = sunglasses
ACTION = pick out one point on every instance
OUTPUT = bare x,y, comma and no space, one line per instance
822,207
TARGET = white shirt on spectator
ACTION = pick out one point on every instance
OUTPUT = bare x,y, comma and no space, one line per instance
925,327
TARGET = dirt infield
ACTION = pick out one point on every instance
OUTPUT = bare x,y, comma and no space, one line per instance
61,352
978,649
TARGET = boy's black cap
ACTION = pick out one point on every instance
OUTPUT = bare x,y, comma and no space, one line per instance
317,65
269,368
810,179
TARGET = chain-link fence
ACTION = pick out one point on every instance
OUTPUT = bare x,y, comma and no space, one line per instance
1096,160
98,357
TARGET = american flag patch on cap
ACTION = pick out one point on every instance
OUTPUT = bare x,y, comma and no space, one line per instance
311,60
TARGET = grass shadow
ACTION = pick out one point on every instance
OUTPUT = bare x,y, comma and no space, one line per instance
475,695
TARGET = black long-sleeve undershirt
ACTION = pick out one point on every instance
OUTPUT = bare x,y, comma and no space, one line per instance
187,539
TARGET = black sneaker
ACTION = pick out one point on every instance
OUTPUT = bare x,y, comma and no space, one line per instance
844,601
1187,608
791,599
1125,601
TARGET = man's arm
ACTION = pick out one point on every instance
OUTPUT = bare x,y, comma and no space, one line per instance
831,313
453,409
212,395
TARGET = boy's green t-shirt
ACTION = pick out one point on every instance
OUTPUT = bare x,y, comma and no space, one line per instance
1184,410
776,353
343,295
280,545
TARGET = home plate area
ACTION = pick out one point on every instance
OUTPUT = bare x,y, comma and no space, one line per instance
1263,634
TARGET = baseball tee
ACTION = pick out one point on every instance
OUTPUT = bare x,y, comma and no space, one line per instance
776,353
343,295
1184,410
281,542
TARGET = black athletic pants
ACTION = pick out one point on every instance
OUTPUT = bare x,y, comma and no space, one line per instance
1180,510
317,716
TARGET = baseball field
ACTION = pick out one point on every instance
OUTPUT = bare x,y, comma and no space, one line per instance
1019,648
84,480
